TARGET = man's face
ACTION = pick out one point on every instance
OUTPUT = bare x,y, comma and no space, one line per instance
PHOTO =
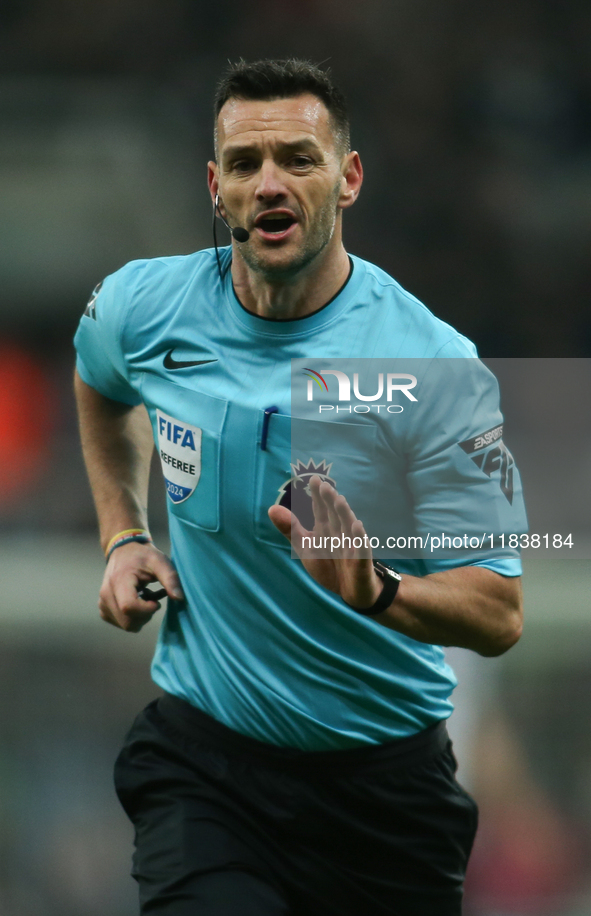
279,176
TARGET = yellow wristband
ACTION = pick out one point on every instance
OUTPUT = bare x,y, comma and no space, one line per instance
127,533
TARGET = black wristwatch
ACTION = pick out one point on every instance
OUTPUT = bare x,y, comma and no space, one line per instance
391,580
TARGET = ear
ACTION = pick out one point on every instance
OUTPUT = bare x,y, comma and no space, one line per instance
212,180
351,181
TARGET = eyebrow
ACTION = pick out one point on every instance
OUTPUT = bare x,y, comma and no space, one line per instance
293,146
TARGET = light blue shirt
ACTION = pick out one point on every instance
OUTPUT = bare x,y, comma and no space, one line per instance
258,644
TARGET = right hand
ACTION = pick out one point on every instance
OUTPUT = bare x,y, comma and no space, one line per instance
130,568
349,572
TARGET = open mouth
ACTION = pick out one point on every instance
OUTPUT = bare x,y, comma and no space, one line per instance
276,224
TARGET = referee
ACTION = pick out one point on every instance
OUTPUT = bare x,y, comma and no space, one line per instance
296,761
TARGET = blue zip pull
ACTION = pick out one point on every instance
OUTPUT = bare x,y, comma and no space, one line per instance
266,421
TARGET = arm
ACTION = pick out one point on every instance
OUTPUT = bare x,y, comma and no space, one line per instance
117,446
471,607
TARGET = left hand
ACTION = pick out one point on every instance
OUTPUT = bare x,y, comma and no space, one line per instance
350,574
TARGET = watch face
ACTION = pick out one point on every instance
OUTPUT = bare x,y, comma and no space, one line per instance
394,575
383,570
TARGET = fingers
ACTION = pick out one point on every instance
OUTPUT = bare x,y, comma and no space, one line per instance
319,505
125,617
357,582
359,537
333,518
130,568
344,523
282,519
121,606
290,527
346,570
163,570
341,520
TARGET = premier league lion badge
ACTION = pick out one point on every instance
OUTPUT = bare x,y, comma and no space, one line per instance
295,495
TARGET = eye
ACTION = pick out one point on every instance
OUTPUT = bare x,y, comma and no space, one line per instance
301,162
242,166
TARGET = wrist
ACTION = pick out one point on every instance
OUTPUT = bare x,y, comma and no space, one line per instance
390,582
127,536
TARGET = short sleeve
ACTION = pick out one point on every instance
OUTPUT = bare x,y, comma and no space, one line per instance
99,340
464,483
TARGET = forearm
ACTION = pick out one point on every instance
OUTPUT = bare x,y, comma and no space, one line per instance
471,607
117,445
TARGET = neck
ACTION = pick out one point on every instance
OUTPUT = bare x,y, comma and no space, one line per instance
309,291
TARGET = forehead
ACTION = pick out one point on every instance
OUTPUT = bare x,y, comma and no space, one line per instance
248,121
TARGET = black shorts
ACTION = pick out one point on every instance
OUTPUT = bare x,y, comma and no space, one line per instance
229,826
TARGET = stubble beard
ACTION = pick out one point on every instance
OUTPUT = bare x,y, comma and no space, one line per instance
315,242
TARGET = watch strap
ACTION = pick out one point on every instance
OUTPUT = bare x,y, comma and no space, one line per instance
391,580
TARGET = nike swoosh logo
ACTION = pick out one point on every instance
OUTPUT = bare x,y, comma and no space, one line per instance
170,363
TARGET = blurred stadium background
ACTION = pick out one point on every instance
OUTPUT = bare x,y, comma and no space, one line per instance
474,124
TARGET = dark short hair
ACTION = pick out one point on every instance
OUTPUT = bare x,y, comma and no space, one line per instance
263,80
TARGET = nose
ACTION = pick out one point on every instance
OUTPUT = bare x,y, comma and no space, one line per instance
270,186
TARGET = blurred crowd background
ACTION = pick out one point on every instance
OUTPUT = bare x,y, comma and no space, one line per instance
474,125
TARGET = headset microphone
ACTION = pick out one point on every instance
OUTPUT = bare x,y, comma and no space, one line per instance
238,233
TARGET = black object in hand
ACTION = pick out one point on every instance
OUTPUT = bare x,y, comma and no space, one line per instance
148,595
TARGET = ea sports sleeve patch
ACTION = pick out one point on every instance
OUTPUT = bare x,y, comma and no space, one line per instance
101,360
